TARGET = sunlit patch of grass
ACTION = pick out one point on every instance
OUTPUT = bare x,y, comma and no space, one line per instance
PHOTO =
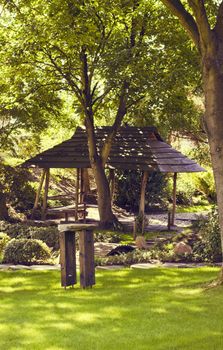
193,208
157,309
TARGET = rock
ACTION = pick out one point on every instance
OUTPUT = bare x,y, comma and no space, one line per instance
182,248
141,242
121,249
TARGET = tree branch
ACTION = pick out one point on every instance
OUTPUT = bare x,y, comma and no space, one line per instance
185,18
118,119
203,25
219,27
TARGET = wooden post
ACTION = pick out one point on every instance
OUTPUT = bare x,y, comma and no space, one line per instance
67,254
77,193
82,192
86,180
45,196
35,206
174,198
142,197
68,258
87,269
112,183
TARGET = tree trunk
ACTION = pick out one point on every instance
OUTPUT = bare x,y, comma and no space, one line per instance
107,218
3,207
213,88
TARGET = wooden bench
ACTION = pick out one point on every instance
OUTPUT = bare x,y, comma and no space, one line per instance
81,212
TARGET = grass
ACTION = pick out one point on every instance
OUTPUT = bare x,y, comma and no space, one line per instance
194,208
157,309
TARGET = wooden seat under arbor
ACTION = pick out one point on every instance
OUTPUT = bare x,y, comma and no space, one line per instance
79,212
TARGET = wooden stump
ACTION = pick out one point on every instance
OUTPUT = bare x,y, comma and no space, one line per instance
87,268
68,258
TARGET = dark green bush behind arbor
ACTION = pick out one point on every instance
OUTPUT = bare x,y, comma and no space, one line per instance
128,188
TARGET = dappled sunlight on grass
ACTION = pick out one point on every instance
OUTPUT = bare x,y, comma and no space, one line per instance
154,309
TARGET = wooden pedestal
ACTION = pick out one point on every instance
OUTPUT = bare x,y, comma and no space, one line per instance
87,269
68,258
68,254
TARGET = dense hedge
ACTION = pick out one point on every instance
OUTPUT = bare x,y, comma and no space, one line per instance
49,234
4,239
128,185
26,251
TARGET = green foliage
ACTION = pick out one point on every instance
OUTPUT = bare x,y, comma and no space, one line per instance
141,221
14,183
128,190
137,256
208,248
108,237
205,185
26,251
49,234
4,239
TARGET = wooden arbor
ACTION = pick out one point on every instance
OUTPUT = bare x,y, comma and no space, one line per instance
133,148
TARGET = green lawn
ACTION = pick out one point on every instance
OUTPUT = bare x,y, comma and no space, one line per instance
157,309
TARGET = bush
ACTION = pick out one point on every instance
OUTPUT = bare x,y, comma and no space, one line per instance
4,239
208,248
17,188
26,251
128,187
49,234
108,237
137,256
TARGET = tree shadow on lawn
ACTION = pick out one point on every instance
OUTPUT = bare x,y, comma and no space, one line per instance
128,309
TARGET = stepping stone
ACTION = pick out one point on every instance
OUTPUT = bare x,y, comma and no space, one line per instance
182,265
44,267
144,266
18,267
110,267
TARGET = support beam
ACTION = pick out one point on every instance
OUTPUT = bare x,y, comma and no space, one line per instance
38,193
87,269
77,192
82,191
142,197
174,198
68,258
45,196
86,180
112,183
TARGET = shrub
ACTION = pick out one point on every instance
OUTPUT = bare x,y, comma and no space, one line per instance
108,237
4,239
137,256
128,190
208,248
26,251
49,234
17,188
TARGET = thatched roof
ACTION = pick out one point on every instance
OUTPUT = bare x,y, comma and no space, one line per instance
133,148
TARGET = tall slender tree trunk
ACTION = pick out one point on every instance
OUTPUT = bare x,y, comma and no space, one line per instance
213,88
107,218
